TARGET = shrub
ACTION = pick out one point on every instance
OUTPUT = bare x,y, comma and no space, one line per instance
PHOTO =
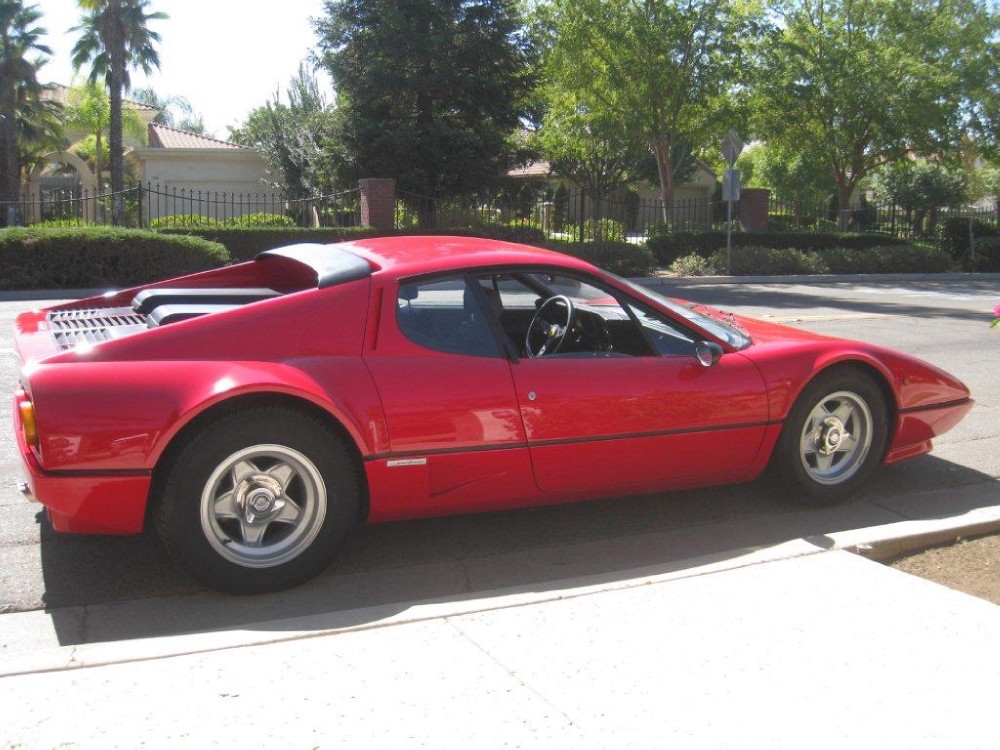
68,221
622,258
693,265
245,244
668,247
597,230
260,219
987,255
99,257
529,232
953,235
769,261
181,221
894,259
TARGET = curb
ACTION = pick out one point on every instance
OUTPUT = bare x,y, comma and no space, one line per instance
886,550
820,279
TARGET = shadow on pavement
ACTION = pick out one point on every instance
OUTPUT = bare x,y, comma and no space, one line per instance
111,588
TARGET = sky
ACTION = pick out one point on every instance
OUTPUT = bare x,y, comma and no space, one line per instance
226,57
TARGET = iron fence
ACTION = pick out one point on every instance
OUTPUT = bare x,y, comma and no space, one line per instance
562,214
159,206
924,225
527,213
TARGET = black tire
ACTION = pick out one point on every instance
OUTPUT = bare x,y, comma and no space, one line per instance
260,500
833,439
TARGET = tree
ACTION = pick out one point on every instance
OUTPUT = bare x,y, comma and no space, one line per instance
792,176
88,108
591,149
855,85
430,91
173,110
920,187
114,38
293,138
19,91
668,70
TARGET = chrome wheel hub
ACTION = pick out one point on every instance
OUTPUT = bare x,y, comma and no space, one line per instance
263,506
836,438
831,435
259,499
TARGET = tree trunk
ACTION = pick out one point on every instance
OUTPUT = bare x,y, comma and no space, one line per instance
116,43
665,170
10,179
844,190
99,161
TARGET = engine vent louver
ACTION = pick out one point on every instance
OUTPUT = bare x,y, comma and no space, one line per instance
93,325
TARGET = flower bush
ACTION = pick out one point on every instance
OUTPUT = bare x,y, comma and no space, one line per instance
996,319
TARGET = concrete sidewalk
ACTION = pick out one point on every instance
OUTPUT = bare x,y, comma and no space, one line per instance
799,643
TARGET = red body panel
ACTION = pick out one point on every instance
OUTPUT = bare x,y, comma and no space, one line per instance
436,433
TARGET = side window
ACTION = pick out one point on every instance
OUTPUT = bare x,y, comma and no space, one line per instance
444,315
666,336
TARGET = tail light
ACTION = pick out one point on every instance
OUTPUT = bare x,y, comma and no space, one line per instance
26,411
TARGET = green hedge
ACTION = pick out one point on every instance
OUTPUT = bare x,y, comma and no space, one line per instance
622,258
953,236
244,244
892,259
668,247
770,261
88,257
987,256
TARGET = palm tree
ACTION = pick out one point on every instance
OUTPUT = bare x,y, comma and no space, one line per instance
166,104
18,87
88,108
114,38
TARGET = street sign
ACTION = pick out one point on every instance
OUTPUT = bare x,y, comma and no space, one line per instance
732,147
731,185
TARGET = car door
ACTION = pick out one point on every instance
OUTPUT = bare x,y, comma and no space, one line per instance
633,417
455,432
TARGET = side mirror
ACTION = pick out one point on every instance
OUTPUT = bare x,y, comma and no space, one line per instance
707,352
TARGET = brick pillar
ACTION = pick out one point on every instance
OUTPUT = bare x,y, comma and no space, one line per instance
754,206
378,202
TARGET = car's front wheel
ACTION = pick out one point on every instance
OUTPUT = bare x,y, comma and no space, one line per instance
259,500
833,438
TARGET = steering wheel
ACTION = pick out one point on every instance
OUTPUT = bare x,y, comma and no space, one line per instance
545,335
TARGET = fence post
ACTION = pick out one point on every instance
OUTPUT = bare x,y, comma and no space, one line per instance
378,202
753,209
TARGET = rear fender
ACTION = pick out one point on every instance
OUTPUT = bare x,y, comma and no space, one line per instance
122,416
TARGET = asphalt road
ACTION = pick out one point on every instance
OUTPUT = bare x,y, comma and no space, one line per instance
944,322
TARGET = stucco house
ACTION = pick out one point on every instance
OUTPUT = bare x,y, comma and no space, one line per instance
170,162
636,206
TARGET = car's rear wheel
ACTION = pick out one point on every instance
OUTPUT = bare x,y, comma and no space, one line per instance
259,500
833,438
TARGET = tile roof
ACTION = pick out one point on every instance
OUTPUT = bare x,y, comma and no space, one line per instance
60,93
534,169
160,136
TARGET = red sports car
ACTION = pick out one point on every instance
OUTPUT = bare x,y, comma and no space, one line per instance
255,413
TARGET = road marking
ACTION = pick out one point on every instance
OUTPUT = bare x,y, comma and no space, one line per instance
823,318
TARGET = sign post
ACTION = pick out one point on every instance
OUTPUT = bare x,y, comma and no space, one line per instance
732,147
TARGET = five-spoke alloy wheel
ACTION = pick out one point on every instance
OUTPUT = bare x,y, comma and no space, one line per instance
833,438
258,500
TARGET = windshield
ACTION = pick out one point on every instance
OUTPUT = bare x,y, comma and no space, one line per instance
724,331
